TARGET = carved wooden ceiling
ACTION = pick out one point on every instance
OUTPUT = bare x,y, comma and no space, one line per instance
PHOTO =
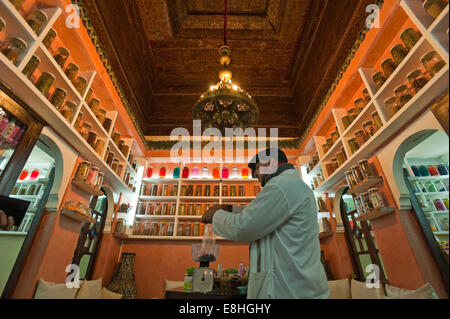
285,53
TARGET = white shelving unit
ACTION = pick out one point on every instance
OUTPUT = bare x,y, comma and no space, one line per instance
177,218
11,75
434,37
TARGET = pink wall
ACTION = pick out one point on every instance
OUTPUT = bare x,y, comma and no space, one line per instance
159,260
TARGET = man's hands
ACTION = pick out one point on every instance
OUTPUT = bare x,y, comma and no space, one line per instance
6,223
208,215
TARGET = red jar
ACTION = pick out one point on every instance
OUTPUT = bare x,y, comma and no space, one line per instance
162,172
185,172
216,172
149,172
433,170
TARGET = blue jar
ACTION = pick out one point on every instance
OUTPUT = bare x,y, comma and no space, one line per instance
442,169
424,170
176,172
415,170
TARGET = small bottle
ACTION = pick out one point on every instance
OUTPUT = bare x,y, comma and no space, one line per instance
241,270
187,282
219,270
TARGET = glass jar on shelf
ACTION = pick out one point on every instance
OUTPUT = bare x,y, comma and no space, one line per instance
116,138
36,20
329,168
353,145
68,111
344,153
440,187
410,37
31,66
107,124
86,127
110,158
80,84
45,82
358,206
430,187
365,202
375,198
423,170
335,163
439,205
120,170
340,158
351,113
99,182
315,160
325,148
377,120
346,121
442,169
49,38
71,71
432,169
357,173
393,105
350,178
388,66
360,137
57,97
378,79
365,168
14,49
399,52
432,62
91,138
115,165
101,114
417,80
99,146
77,123
83,171
315,182
366,96
61,56
403,94
369,128
92,176
434,7
334,136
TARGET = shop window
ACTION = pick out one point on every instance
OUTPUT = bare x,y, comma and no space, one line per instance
361,243
426,175
33,185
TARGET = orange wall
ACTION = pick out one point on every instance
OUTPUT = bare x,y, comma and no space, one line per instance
156,261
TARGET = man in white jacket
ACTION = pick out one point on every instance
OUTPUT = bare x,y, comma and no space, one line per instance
281,226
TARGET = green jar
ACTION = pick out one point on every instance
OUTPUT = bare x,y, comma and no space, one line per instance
377,120
61,56
31,66
57,98
388,67
72,71
36,20
14,49
379,79
45,82
80,84
410,37
49,38
346,121
89,95
399,52
353,145
434,7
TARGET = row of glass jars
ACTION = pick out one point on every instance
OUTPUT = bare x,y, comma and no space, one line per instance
430,187
317,180
353,112
312,163
363,135
151,208
438,223
369,201
89,174
437,204
195,172
113,162
409,37
417,79
159,190
429,170
330,141
336,162
146,228
359,173
100,113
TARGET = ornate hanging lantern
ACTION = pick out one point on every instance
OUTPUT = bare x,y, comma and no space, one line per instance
226,105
